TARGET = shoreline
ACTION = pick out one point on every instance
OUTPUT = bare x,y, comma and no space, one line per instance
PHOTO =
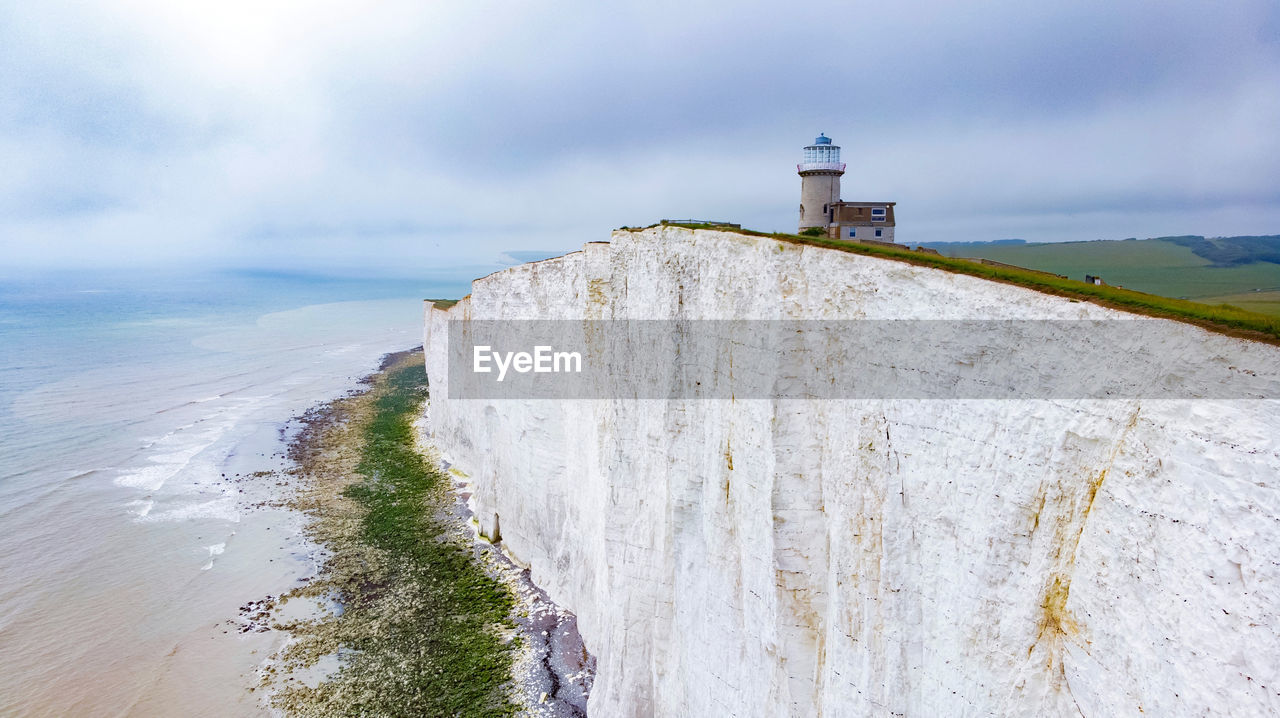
410,609
141,505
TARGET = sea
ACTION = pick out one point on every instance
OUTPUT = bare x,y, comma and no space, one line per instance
142,419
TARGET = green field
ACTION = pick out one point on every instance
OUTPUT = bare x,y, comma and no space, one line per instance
1156,266
1261,302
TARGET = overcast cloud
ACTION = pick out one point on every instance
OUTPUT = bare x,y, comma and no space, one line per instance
408,135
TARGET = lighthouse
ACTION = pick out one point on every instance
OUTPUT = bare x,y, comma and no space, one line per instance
822,208
819,182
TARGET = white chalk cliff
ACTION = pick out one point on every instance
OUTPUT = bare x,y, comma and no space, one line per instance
876,557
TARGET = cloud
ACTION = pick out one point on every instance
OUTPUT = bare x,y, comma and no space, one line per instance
401,134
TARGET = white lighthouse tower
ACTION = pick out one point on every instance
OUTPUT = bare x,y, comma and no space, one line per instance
819,182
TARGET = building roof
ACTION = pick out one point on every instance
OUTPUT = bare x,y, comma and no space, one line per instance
859,214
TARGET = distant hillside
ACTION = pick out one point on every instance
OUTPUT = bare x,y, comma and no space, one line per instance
1231,251
1243,271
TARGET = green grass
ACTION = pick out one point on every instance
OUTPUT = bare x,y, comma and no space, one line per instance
1155,266
443,303
1222,318
1260,302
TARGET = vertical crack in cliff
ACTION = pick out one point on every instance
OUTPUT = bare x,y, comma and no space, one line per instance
1057,624
797,506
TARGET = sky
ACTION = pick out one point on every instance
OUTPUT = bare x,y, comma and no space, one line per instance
414,136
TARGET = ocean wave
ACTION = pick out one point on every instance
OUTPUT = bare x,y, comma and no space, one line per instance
175,450
222,509
164,467
214,550
80,474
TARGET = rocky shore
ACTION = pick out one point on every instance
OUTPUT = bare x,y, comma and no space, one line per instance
411,612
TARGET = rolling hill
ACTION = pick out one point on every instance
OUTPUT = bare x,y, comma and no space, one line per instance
1242,271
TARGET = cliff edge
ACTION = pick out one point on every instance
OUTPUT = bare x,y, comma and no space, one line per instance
855,557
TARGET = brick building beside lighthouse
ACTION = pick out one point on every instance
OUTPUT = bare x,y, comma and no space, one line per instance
821,206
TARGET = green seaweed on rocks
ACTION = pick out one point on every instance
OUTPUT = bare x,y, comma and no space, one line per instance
418,628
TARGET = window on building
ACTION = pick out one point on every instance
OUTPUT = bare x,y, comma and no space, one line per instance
877,214
879,233
853,232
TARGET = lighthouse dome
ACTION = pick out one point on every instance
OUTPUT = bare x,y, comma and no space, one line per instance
822,140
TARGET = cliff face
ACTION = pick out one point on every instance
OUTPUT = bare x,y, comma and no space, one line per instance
876,557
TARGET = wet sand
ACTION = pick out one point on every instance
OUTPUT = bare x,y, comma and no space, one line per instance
177,648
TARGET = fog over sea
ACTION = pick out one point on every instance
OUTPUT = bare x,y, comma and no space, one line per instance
133,410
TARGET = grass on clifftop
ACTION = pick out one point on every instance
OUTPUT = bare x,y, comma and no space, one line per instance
420,631
1222,318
